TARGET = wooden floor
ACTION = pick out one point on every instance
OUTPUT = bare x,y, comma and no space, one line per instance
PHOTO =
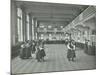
55,61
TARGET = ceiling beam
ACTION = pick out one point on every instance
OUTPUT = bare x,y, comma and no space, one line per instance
53,15
53,19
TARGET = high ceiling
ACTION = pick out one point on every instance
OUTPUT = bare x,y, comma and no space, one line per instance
52,12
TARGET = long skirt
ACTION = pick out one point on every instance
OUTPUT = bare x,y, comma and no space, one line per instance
33,49
71,54
42,53
38,56
23,53
28,52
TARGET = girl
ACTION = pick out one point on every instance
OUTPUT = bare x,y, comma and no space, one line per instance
42,52
71,51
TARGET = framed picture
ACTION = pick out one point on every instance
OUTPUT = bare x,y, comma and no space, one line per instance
52,37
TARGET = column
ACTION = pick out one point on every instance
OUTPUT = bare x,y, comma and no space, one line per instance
14,34
32,28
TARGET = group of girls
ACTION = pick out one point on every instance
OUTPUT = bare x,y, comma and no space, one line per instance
30,48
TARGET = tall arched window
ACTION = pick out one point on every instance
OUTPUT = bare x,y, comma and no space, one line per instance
32,29
19,24
27,20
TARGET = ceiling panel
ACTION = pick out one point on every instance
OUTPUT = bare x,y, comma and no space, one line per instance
52,12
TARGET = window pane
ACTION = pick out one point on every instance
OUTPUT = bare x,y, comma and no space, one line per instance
19,12
27,27
19,22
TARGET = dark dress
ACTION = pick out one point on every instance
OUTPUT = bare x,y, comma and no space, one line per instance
28,52
23,53
71,53
33,48
86,47
38,55
42,53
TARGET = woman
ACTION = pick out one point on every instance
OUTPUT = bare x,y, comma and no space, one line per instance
38,53
71,51
28,50
22,51
42,52
33,47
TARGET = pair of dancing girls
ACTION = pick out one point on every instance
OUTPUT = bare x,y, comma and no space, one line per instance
71,55
40,52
